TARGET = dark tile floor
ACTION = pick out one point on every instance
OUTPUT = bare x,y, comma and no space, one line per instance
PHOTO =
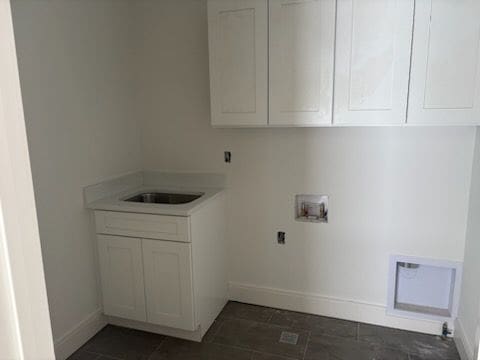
248,332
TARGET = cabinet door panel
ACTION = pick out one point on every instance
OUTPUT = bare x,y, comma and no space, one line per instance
121,271
372,61
445,63
168,283
302,36
238,61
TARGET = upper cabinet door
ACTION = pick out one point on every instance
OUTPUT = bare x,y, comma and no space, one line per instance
372,61
302,41
238,41
445,80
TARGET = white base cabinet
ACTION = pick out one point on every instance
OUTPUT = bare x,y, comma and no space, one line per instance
176,287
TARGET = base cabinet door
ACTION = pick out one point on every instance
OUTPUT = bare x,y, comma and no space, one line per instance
121,271
168,283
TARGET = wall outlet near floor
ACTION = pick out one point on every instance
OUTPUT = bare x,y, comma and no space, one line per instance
281,237
227,155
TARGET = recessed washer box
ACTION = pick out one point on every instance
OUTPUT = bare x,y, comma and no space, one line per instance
423,288
311,208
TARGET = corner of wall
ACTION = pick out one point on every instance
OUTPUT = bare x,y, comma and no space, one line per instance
465,349
70,342
470,301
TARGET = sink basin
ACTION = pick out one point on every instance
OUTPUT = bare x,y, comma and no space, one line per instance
163,198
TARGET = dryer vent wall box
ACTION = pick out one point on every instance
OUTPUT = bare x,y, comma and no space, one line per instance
424,288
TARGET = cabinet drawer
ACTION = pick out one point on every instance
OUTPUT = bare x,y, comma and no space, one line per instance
174,228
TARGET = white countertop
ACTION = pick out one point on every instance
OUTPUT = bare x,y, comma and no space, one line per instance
117,203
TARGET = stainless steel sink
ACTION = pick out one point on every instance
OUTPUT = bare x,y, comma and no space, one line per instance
163,198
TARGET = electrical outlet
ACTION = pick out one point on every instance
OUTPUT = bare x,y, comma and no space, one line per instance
281,237
227,156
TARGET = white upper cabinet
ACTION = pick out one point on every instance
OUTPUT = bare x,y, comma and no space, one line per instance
302,41
444,85
344,62
238,41
372,62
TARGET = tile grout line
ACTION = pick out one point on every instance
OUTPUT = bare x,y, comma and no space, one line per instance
271,317
306,345
260,322
158,347
161,343
220,322
98,354
231,346
89,352
267,353
253,351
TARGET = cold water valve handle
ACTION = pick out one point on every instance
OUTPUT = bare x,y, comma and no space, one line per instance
445,331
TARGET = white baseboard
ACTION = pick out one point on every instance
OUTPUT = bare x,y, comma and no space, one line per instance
67,344
328,306
464,347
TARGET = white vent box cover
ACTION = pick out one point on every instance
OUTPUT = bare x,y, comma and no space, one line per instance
423,288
